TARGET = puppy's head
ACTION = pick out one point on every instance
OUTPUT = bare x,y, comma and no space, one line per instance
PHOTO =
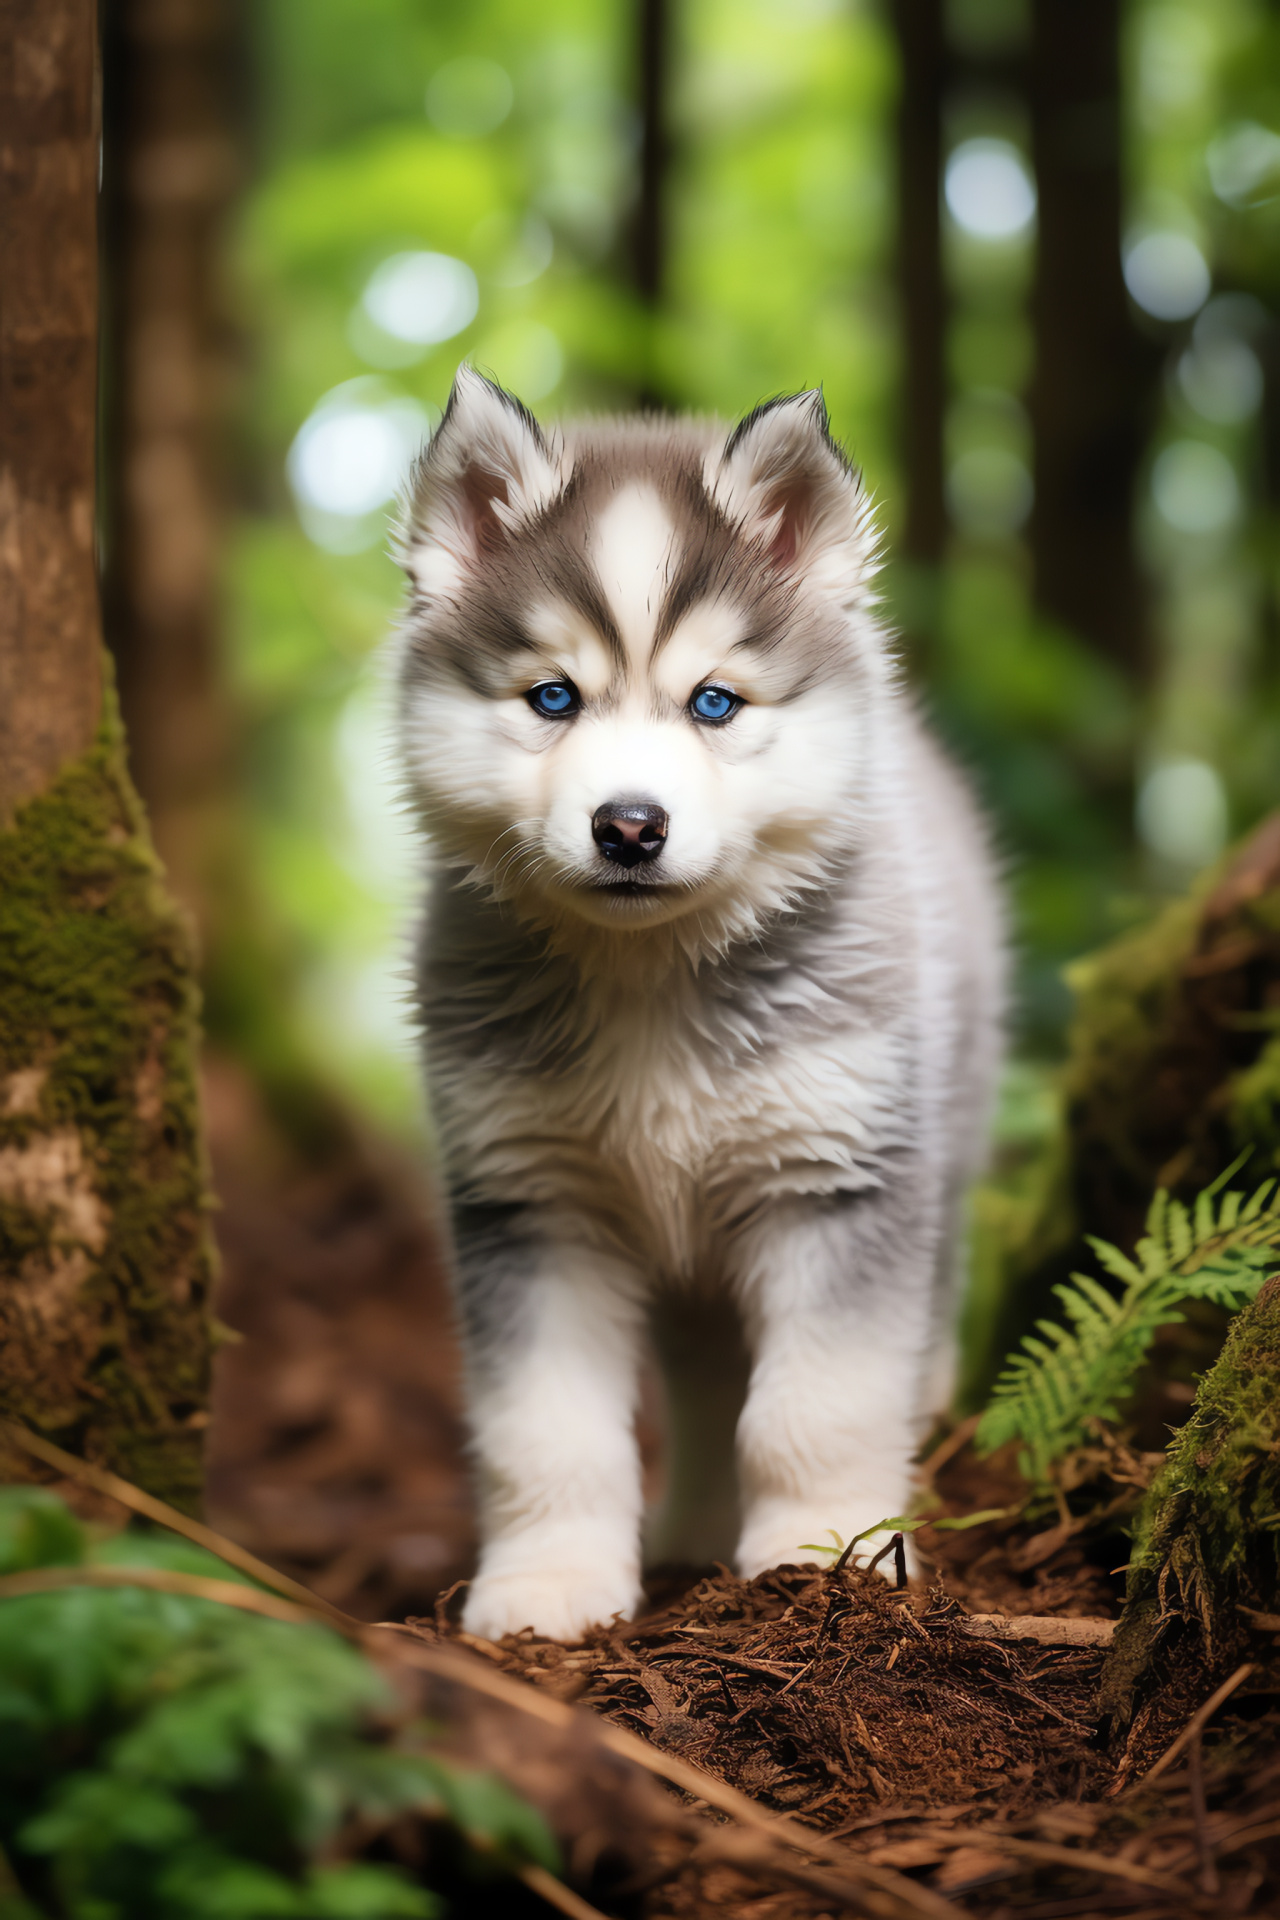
640,674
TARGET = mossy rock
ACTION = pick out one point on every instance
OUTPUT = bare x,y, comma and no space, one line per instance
1173,1070
1206,1544
106,1258
1174,1061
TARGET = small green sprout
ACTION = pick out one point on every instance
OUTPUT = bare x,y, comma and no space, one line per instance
904,1523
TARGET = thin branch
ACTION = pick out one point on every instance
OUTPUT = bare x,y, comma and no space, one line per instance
1083,1859
948,1448
1209,1883
556,1894
194,1586
1196,1724
164,1515
1045,1629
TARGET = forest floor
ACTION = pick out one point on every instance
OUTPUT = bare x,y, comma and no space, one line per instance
974,1767
335,1449
931,1742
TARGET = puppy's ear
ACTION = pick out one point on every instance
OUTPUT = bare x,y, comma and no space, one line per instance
488,467
783,479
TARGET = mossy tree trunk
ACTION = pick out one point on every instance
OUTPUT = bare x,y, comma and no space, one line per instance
1175,1062
1206,1547
1173,1069
105,1254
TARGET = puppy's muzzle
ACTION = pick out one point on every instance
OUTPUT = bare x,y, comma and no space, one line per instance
629,835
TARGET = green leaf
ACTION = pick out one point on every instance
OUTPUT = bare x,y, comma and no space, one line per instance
960,1523
168,1758
901,1523
489,1813
360,1892
1065,1376
37,1530
816,1546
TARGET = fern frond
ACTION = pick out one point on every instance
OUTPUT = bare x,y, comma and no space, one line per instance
1204,1215
1254,1206
1115,1262
1064,1376
1178,1236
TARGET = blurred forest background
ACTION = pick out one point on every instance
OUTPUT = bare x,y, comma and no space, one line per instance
1031,251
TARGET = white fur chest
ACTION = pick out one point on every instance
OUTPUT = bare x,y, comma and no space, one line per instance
661,1135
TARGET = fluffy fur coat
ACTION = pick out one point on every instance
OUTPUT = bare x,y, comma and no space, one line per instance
715,1093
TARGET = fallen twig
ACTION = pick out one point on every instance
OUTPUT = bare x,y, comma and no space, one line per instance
1198,1721
166,1516
1083,1859
227,1593
556,1894
1044,1628
1200,1815
947,1449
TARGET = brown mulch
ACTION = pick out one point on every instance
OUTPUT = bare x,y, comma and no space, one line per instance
335,1449
975,1769
831,1696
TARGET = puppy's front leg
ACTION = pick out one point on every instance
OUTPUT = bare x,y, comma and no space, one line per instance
553,1333
839,1299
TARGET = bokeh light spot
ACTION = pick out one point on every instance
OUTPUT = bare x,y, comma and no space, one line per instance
348,458
1167,275
421,298
1244,164
989,491
1222,380
1195,487
989,189
1182,812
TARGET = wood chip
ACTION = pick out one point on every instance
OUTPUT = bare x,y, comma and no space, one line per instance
1045,1628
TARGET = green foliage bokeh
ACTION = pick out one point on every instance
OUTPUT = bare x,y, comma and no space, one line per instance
164,1757
780,274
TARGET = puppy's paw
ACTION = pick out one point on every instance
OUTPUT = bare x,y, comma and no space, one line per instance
558,1605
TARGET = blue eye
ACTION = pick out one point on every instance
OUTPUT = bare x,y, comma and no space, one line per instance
714,704
556,698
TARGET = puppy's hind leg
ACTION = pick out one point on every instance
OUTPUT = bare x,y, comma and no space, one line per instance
703,1360
839,1297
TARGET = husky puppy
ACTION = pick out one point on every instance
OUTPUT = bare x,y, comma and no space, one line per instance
711,979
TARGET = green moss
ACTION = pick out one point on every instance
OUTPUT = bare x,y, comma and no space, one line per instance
1125,997
105,1252
1253,1100
1207,1538
1173,1068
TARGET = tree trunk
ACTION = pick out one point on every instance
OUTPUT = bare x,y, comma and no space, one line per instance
649,231
169,168
1173,1069
104,1247
1093,375
1206,1545
1175,1062
50,690
918,26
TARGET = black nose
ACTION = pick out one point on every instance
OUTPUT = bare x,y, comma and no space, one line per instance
629,834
